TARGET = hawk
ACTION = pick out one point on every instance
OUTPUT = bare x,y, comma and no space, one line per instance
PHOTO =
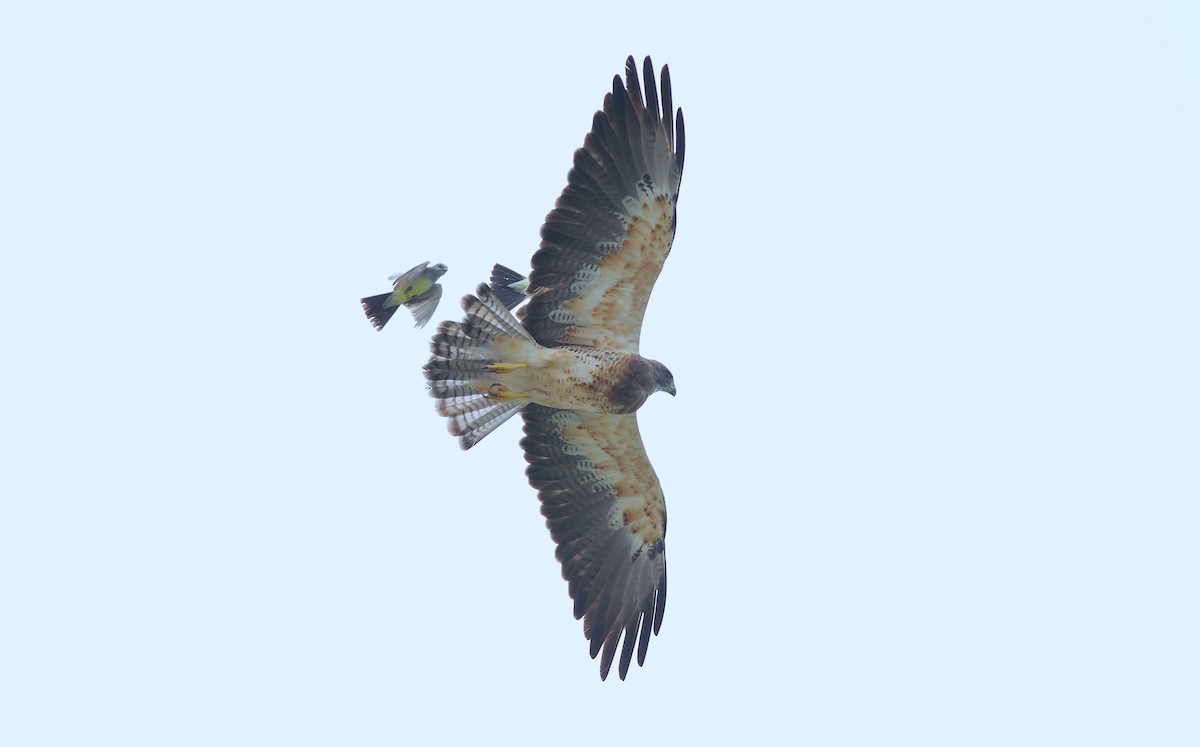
569,363
416,289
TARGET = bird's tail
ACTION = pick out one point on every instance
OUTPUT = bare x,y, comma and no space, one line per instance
464,369
509,286
376,311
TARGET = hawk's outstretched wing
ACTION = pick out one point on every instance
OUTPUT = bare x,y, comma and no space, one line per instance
604,243
605,511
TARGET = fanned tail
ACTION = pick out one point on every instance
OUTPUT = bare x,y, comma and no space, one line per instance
460,370
376,311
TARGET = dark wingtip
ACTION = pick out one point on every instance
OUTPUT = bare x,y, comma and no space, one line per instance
679,138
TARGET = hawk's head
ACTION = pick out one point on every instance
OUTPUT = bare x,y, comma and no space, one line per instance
638,379
663,380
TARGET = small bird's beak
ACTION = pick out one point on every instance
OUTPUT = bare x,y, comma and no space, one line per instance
671,390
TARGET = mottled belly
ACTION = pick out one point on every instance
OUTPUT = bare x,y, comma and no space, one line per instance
572,378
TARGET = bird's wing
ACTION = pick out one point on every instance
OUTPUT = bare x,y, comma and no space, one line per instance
605,511
604,243
423,306
401,279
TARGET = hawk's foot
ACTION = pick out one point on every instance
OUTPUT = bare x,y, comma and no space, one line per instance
504,368
499,391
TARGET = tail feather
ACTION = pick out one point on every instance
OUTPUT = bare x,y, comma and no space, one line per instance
503,282
473,418
458,372
488,313
376,311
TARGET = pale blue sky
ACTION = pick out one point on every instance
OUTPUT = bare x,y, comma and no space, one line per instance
932,311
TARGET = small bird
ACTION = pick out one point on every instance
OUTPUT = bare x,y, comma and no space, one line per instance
511,287
417,289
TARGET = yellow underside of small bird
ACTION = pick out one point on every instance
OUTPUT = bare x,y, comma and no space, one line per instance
403,295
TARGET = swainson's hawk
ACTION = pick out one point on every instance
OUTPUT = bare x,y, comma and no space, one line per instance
571,365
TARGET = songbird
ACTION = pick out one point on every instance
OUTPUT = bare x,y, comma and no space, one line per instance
417,289
568,361
510,286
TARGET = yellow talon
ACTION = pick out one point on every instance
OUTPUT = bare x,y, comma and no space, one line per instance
499,391
505,368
